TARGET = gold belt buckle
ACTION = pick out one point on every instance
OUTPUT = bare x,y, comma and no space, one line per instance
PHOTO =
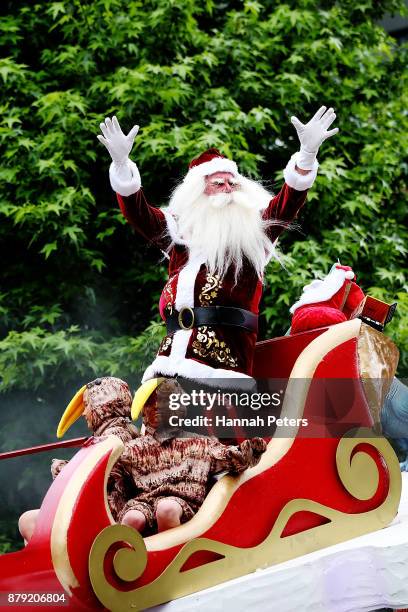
180,318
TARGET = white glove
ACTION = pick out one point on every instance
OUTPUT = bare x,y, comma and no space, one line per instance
312,134
118,145
124,175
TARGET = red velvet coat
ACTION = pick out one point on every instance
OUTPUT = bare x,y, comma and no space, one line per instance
204,352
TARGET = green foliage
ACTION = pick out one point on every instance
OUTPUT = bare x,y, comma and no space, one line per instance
28,358
9,540
78,290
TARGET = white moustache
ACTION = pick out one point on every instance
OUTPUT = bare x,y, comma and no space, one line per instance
221,200
243,200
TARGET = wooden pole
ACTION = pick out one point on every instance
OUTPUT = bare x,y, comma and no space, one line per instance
43,448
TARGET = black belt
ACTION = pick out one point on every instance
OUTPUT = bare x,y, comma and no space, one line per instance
187,318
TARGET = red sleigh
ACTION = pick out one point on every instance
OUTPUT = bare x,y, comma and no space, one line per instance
304,494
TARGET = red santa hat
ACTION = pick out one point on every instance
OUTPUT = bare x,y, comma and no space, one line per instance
328,301
209,162
324,290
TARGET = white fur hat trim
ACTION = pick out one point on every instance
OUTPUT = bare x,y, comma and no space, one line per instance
217,164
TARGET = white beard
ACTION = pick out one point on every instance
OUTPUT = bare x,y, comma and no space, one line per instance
226,228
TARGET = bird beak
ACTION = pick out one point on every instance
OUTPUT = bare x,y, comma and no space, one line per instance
142,395
72,412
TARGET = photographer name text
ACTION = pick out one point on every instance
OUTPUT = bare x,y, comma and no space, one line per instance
224,421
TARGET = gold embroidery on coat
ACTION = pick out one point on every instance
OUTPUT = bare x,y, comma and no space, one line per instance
168,296
207,345
210,289
165,343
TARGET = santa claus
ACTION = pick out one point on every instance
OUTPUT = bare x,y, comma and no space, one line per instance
219,231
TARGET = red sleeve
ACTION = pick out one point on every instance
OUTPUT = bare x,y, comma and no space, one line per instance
147,220
284,207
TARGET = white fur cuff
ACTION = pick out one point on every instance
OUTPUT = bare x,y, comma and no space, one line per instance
298,181
126,180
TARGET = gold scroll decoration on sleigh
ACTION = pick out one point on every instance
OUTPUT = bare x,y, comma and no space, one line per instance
358,473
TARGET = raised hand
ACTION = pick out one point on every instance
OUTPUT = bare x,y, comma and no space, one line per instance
312,134
118,144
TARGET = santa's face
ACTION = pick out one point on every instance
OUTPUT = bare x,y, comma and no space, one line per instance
223,189
220,182
220,217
